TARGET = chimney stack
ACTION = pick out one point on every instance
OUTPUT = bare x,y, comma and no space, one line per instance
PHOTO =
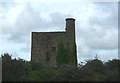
70,25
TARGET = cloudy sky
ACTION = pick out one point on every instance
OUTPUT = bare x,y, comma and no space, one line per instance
96,26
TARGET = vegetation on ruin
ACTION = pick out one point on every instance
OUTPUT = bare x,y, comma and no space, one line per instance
65,55
93,70
74,54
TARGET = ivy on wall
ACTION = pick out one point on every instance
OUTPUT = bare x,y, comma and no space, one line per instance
65,55
74,54
62,55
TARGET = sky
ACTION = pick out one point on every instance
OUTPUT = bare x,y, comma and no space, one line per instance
96,26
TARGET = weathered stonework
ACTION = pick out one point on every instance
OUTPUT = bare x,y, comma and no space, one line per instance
44,44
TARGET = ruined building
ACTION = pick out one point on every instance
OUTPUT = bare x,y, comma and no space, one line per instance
45,44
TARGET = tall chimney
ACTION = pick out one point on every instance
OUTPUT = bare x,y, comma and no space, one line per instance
70,28
70,25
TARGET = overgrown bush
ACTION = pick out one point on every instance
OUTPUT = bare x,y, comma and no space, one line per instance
93,70
41,73
12,69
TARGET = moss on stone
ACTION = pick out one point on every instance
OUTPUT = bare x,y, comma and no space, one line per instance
65,55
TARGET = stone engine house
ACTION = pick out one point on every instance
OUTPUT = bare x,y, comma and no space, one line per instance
44,44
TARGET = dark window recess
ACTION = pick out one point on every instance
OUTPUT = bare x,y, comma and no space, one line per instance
53,48
47,56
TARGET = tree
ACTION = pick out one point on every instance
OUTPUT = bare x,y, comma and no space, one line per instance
95,65
12,69
69,72
112,64
40,73
112,67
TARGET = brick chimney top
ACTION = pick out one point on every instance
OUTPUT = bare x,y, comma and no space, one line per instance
70,19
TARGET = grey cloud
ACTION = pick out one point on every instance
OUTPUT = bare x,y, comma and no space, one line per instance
5,6
106,39
84,51
106,15
119,26
28,21
26,48
96,32
58,19
100,32
8,4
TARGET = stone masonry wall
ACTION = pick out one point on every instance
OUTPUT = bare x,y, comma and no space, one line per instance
44,44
